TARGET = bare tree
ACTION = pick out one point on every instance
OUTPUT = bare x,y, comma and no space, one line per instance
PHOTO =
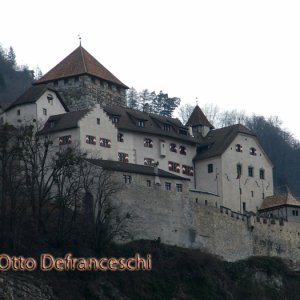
184,112
106,220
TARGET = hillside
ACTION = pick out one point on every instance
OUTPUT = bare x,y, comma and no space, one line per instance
14,79
176,274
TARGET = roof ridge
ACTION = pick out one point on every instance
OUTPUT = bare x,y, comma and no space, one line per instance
82,56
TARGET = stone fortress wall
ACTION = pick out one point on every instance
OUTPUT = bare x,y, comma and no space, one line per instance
81,92
195,220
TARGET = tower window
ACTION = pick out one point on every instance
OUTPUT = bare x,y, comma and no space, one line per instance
262,174
18,112
98,121
44,111
210,168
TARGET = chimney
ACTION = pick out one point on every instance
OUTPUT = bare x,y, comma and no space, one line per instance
156,177
191,131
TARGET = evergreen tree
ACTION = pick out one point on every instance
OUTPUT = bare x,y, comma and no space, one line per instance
11,56
132,98
144,100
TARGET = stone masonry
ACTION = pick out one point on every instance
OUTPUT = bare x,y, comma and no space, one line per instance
85,91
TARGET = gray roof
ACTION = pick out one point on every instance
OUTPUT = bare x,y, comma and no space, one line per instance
132,168
218,140
33,94
154,124
63,121
198,118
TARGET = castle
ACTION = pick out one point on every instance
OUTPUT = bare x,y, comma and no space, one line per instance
190,184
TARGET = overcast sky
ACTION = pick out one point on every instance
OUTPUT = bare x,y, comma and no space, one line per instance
242,55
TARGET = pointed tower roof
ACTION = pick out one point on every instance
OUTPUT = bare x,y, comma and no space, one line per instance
198,118
79,62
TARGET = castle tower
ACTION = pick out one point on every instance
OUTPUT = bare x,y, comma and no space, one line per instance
199,123
82,82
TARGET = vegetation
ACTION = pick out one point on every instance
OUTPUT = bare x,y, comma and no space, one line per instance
14,79
178,274
53,194
151,102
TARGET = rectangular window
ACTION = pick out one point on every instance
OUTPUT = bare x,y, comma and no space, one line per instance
174,167
148,183
121,137
173,147
18,112
115,119
244,206
252,151
127,179
182,150
239,170
210,168
179,187
141,123
106,143
168,186
89,139
44,111
238,148
187,170
167,127
250,171
98,121
252,194
66,139
148,143
295,213
262,174
123,157
148,161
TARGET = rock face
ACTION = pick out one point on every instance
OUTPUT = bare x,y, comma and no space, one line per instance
20,286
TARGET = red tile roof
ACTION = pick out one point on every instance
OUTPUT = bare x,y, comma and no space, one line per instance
79,62
279,200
